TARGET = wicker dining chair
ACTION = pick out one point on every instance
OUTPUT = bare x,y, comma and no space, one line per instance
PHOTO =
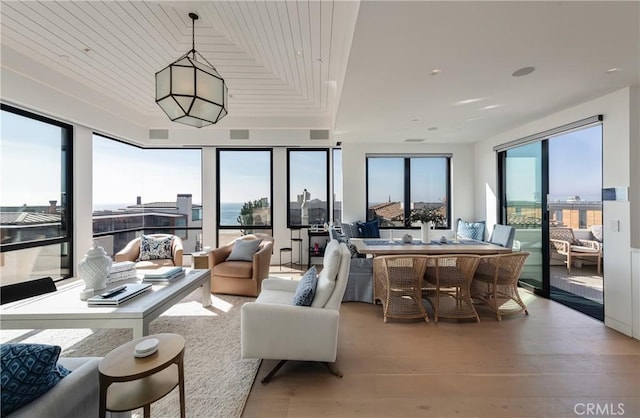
447,286
399,286
495,282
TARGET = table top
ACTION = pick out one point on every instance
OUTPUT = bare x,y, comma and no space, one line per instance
65,303
384,247
121,362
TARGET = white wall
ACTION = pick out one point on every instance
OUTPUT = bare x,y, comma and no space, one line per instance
354,175
620,116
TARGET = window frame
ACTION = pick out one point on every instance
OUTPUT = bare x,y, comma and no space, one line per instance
66,153
407,186
327,183
219,227
151,229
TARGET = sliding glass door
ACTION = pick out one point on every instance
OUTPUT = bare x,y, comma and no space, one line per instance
574,203
522,180
551,193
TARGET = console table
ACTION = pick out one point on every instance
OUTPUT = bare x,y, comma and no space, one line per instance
63,309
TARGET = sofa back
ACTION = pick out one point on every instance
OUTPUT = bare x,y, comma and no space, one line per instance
341,279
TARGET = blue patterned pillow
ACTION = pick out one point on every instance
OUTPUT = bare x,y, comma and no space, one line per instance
306,289
369,229
155,248
471,230
28,371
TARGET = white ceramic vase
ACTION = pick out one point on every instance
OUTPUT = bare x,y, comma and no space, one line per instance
94,268
425,230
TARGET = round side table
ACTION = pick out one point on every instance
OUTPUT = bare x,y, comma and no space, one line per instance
128,382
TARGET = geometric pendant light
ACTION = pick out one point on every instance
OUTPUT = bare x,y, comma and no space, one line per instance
192,92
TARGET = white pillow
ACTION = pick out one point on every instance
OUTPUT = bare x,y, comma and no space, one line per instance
244,249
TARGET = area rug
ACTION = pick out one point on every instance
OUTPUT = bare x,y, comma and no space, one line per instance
217,380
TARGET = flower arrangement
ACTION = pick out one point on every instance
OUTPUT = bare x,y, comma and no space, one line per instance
427,215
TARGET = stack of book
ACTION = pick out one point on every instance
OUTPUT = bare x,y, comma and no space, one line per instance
122,270
163,274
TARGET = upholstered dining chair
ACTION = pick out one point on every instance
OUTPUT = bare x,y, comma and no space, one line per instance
399,283
495,282
565,243
503,235
448,285
470,230
153,257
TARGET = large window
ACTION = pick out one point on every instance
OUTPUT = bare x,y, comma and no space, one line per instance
36,205
396,185
308,187
148,191
244,192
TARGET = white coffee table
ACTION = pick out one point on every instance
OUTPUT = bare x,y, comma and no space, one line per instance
63,309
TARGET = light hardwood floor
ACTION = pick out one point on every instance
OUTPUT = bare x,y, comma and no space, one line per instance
556,362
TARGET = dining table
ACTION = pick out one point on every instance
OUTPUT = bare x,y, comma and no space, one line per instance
377,246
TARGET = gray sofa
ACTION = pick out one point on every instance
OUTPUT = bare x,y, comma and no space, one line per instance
75,396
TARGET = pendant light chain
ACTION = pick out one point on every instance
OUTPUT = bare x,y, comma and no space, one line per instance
193,37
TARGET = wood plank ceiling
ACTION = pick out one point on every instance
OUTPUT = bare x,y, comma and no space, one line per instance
280,58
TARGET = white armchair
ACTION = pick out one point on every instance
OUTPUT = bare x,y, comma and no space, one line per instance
273,328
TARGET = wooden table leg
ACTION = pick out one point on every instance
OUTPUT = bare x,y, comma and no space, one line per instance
102,410
183,413
147,411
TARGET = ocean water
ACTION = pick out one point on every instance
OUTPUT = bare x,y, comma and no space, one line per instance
229,213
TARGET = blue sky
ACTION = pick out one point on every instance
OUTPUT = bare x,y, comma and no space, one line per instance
386,179
121,172
30,162
575,167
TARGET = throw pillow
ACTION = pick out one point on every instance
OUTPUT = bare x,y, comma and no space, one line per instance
351,230
28,371
152,248
369,229
306,288
471,230
244,249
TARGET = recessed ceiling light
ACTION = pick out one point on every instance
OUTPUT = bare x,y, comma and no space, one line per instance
523,71
467,101
86,49
432,128
613,70
435,71
414,140
473,119
298,52
415,120
490,107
